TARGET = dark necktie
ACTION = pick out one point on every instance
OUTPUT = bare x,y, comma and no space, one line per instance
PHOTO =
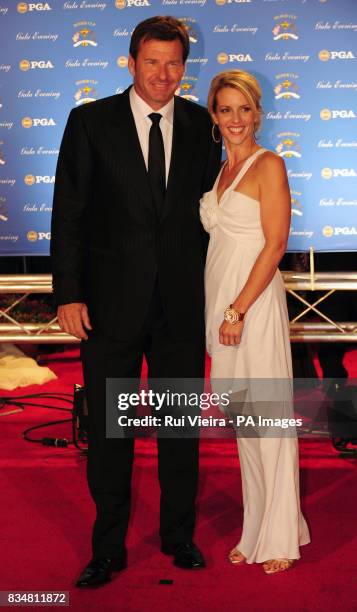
156,162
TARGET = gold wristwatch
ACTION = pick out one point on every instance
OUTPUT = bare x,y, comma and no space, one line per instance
231,315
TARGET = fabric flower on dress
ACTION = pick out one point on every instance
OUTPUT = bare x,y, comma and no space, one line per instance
208,210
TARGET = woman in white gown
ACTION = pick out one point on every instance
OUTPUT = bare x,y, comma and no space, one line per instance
247,215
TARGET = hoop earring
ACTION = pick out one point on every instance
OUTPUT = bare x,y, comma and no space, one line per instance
214,135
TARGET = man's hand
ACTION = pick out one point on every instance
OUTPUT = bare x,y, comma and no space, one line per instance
73,319
229,334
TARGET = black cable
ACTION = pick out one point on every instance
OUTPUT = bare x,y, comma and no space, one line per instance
18,405
23,404
46,406
65,397
13,400
59,442
45,393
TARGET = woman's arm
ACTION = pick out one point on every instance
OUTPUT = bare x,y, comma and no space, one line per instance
275,212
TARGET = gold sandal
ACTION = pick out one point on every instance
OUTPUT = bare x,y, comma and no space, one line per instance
283,565
233,557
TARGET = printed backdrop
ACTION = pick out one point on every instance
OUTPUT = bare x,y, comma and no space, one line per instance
56,55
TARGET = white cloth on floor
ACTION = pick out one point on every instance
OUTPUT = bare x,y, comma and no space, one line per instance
18,370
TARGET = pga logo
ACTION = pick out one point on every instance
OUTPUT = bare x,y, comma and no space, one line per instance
344,172
326,114
25,64
122,4
28,122
346,231
43,122
23,7
137,3
41,64
325,55
343,114
328,173
45,179
240,57
222,2
342,55
223,58
32,179
33,236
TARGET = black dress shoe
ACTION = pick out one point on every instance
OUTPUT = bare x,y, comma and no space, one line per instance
186,555
98,571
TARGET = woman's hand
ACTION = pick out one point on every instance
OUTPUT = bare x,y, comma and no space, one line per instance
229,334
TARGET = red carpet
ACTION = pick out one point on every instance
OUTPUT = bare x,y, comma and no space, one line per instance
46,516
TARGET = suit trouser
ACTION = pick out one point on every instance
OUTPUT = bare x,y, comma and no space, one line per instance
110,460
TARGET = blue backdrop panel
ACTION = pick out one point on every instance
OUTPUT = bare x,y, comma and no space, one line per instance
59,54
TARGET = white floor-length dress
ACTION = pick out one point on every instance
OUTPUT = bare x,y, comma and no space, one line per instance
273,525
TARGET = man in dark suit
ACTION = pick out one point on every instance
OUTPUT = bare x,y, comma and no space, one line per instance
128,257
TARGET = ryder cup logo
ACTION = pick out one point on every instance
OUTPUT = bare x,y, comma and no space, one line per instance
285,27
86,92
288,147
23,7
187,89
286,88
189,24
84,36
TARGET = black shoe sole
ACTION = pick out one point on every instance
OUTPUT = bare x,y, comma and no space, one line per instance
187,567
92,586
120,567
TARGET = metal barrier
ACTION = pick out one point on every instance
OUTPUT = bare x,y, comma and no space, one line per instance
320,328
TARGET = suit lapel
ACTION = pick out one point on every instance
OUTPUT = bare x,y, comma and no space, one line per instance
180,155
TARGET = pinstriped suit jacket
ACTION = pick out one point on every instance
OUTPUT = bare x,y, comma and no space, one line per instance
108,247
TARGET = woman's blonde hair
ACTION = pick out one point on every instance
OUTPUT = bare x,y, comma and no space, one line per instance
244,82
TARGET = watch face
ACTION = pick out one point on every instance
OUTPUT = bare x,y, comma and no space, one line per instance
230,315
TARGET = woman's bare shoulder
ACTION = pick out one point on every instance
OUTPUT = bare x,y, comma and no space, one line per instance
270,168
269,161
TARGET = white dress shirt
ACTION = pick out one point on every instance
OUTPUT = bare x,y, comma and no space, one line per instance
141,110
